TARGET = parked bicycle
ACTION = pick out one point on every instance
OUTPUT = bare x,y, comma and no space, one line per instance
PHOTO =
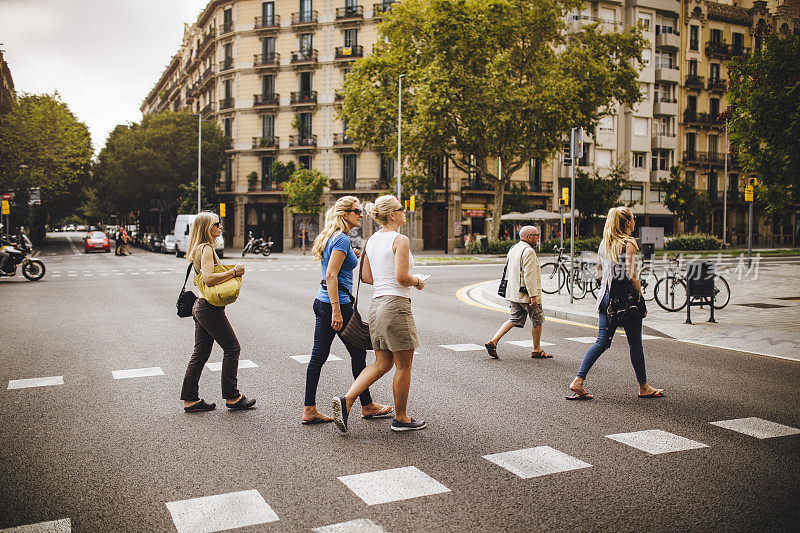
556,273
671,292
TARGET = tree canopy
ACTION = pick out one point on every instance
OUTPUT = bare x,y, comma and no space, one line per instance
304,192
683,199
764,93
41,133
157,159
486,80
595,194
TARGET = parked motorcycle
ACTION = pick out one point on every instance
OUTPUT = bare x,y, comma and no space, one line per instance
32,269
257,246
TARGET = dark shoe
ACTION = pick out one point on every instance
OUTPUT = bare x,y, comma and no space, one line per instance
658,393
243,403
386,412
580,396
339,406
200,406
408,426
492,349
541,355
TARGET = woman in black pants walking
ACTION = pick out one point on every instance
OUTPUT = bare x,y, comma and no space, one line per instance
210,322
333,306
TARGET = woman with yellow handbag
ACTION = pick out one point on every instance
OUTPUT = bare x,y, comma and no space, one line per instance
219,286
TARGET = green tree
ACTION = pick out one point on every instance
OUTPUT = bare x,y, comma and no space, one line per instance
595,194
43,145
304,191
157,159
486,80
681,198
764,96
282,171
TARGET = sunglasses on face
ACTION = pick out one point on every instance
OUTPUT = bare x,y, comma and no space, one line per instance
356,211
217,224
399,209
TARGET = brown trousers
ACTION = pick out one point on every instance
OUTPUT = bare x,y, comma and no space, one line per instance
211,324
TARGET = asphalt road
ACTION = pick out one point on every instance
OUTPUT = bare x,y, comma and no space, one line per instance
110,454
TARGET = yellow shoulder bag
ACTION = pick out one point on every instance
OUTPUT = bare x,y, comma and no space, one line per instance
223,293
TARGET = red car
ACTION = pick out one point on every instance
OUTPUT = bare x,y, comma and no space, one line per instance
96,241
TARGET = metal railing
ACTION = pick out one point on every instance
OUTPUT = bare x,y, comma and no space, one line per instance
266,60
266,143
226,103
341,139
380,8
349,52
226,64
305,56
266,99
717,84
267,22
304,17
227,27
349,12
695,81
303,97
297,141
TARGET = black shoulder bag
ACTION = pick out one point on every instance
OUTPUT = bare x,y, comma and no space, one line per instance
356,332
186,298
625,304
501,289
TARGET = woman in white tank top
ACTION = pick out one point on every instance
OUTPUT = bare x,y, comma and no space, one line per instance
387,266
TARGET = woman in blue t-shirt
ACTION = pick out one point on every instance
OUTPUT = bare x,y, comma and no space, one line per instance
333,306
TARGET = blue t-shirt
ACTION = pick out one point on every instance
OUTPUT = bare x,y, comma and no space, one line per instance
340,242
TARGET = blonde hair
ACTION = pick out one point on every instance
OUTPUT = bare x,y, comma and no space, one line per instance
616,231
334,222
381,209
201,234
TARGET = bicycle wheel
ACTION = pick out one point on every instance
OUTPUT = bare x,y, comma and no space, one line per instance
649,279
722,292
579,285
670,293
552,278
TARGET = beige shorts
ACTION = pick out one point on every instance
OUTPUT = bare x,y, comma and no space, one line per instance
519,311
391,324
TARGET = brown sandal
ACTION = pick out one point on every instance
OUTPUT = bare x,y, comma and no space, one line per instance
541,355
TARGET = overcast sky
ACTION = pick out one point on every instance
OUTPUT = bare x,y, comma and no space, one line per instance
102,56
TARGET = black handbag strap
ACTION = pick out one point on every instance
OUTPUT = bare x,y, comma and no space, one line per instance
188,270
353,299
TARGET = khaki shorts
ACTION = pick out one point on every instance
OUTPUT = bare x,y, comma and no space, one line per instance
391,324
519,312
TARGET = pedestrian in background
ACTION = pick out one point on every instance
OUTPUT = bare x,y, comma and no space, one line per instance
333,306
126,241
616,257
210,322
523,292
387,267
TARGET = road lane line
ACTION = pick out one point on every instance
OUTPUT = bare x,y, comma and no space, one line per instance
656,441
392,485
137,372
757,427
55,526
243,363
221,512
35,382
535,462
72,245
306,358
360,525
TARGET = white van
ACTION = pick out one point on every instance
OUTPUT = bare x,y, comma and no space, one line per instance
183,224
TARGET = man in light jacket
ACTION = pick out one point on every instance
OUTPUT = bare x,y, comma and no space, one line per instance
523,292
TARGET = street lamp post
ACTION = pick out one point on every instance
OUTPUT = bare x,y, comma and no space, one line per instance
725,193
398,184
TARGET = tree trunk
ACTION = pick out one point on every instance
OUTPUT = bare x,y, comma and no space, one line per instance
499,193
303,235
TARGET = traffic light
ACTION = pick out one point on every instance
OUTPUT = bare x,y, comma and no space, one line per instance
406,206
222,210
753,182
413,203
565,195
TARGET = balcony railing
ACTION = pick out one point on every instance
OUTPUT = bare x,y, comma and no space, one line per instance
349,52
341,139
380,8
694,81
303,97
207,38
208,109
349,12
204,77
226,103
304,56
271,59
338,97
266,99
304,17
299,141
702,120
226,64
719,49
266,143
708,158
266,23
227,27
716,84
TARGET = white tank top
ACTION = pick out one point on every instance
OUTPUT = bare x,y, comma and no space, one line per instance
381,262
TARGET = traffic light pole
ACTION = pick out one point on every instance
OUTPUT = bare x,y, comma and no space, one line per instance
561,218
749,234
571,224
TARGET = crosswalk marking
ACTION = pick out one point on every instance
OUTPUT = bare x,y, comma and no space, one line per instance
306,358
137,372
656,441
462,347
392,485
535,462
55,526
220,512
528,344
243,363
35,382
361,525
757,427
583,340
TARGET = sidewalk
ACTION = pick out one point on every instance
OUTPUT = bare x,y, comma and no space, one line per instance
763,316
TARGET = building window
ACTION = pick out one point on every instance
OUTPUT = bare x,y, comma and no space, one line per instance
535,177
645,21
268,85
227,126
657,195
692,178
602,158
351,37
646,57
692,67
229,174
606,123
268,13
716,36
349,171
714,71
268,126
738,43
640,126
268,48
387,170
694,39
660,160
639,160
266,173
713,107
304,124
305,160
438,169
632,193
306,42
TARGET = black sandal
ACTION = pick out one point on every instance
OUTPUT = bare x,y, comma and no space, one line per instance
200,406
243,403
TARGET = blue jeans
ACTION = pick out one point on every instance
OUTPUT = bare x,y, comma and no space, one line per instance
323,338
604,338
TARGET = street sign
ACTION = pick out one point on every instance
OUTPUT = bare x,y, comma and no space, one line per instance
35,196
748,193
8,196
222,210
6,208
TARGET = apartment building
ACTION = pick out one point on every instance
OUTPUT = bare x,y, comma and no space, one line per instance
270,74
7,93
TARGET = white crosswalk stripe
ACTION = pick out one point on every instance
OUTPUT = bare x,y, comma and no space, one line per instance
137,372
55,526
35,382
392,485
535,462
361,525
306,358
243,363
462,347
220,512
757,427
656,441
528,344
